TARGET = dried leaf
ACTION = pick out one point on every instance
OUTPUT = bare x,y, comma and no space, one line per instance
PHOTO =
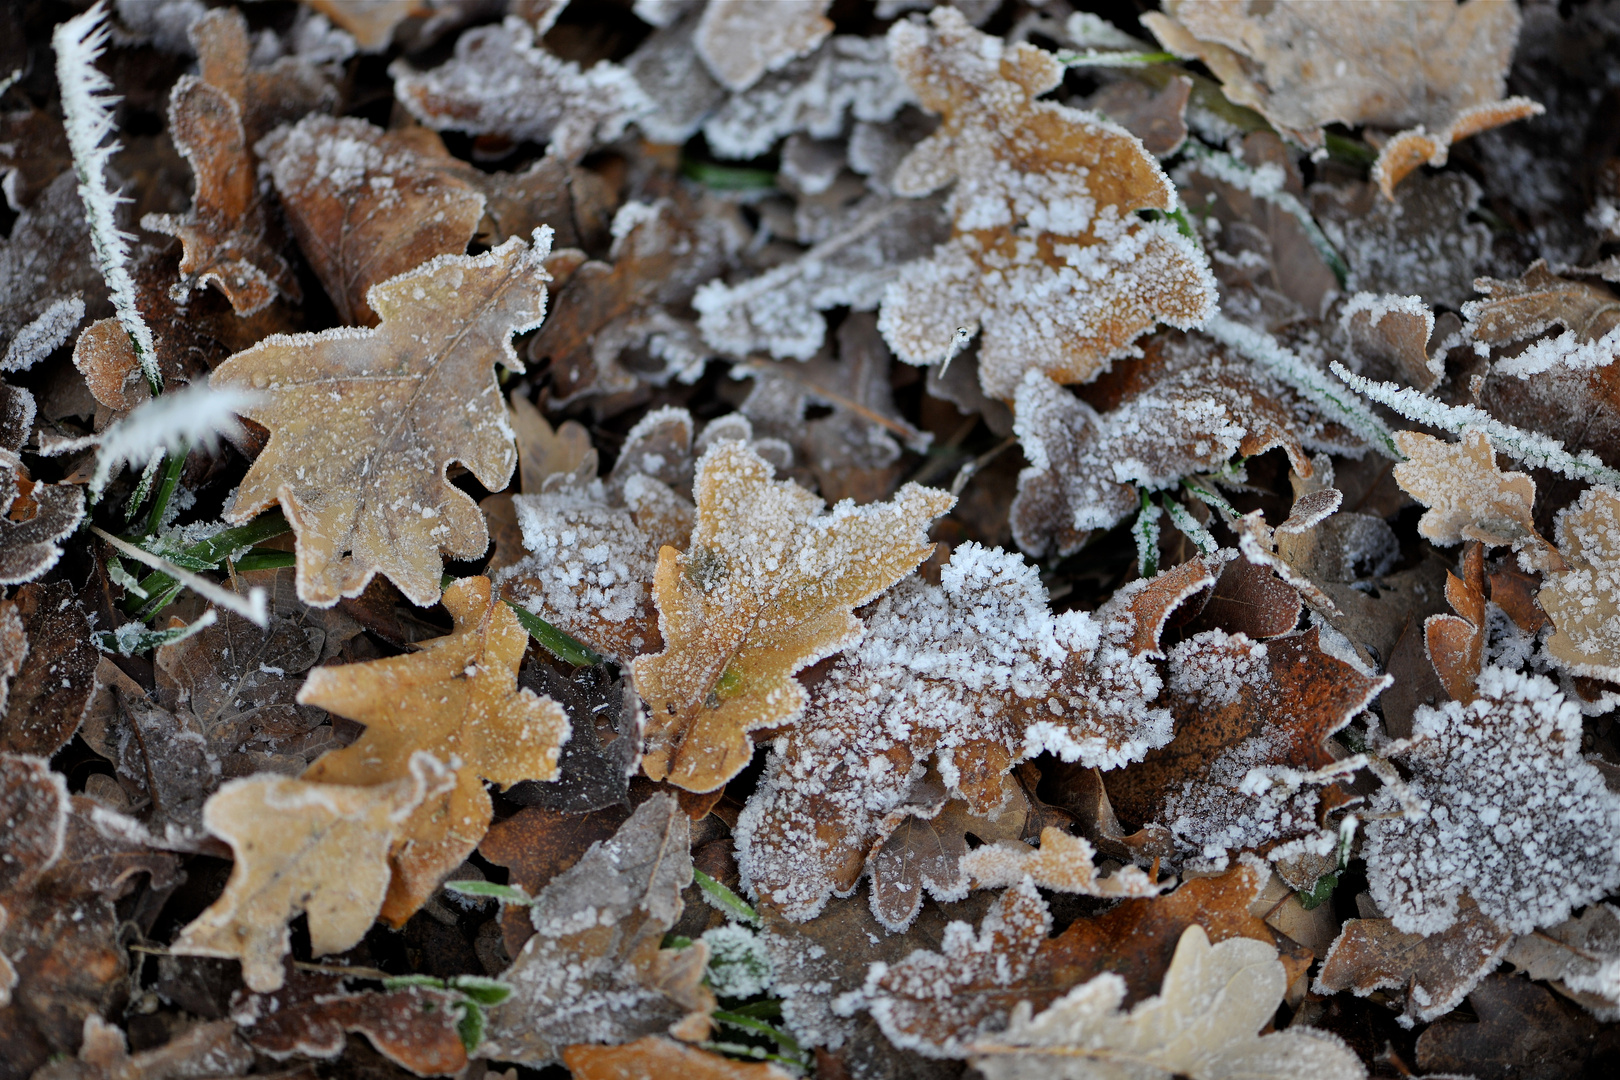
33,152
210,1050
363,424
594,970
30,546
414,1027
1501,806
52,663
653,1055
457,698
544,451
50,278
1064,863
1581,601
740,40
1023,259
1437,70
1251,749
1581,955
320,849
764,590
372,22
348,188
1202,1025
1522,1031
1467,496
1435,972
537,844
1456,643
1394,331
603,749
1157,117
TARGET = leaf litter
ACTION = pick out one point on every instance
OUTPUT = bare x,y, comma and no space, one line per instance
488,586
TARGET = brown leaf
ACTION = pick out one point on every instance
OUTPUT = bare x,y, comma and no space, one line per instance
1523,1033
537,844
764,590
1019,281
1435,972
1575,956
1064,863
268,95
1157,117
594,970
372,22
456,698
1394,333
54,671
1456,643
51,275
1249,599
366,205
321,849
1468,497
604,747
1582,601
30,546
106,358
364,424
414,1027
210,1050
544,452
653,1055
1536,302
33,152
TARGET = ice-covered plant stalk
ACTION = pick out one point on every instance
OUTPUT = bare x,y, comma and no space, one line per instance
87,110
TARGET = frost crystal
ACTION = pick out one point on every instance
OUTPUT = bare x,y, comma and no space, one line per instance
739,963
1507,810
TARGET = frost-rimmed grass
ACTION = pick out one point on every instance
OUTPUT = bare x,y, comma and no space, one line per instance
1530,447
254,607
87,113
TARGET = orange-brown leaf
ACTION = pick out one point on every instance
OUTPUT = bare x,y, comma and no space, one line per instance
655,1056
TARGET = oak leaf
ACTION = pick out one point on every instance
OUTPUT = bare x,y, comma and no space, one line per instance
320,849
364,423
1434,72
1582,601
1500,806
595,969
740,40
1467,496
366,205
1533,304
50,275
1202,1025
1456,643
1063,863
456,698
653,1055
1048,255
765,589
1394,332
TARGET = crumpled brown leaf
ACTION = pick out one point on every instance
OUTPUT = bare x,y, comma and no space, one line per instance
1456,643
1024,262
1578,957
1538,300
51,278
595,971
321,849
456,698
51,661
363,424
30,546
413,1026
765,589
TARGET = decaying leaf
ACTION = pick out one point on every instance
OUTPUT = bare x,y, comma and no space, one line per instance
653,1055
1436,70
1202,1025
208,1049
456,698
414,1026
976,671
1539,300
603,750
1394,331
30,545
51,661
1467,496
366,205
1581,601
1063,864
594,971
1501,807
1251,748
1521,1029
51,281
1581,957
1456,643
765,589
1049,255
363,424
320,849
1435,972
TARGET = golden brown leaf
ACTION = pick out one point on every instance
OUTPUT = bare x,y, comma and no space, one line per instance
366,205
206,1050
456,698
1394,332
371,22
765,589
1063,863
1456,643
1468,497
320,849
654,1056
1536,302
542,451
364,423
1056,288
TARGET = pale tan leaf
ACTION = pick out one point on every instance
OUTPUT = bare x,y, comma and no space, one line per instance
1468,497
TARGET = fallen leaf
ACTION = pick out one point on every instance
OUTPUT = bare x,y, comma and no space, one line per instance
653,1055
595,971
544,451
1064,863
457,698
320,849
414,1026
1578,956
33,152
31,546
1023,260
268,94
1438,71
1155,116
1467,496
1456,643
347,187
1499,805
765,589
603,749
1523,1031
1435,973
740,40
1581,601
1202,1025
372,22
210,1049
1537,301
52,663
1394,332
51,279
363,424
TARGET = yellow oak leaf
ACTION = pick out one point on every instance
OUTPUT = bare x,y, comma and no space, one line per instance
766,588
364,422
320,849
457,698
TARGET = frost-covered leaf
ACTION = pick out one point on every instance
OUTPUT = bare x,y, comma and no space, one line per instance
1583,601
975,672
412,1026
456,698
1435,972
366,205
1516,1022
765,589
1049,255
1250,753
33,153
1202,1025
1514,311
1064,863
741,40
1580,956
30,542
1394,331
654,1055
1434,72
320,849
1501,806
50,277
594,970
51,661
501,81
364,423
372,22
209,1049
1467,496
1456,643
